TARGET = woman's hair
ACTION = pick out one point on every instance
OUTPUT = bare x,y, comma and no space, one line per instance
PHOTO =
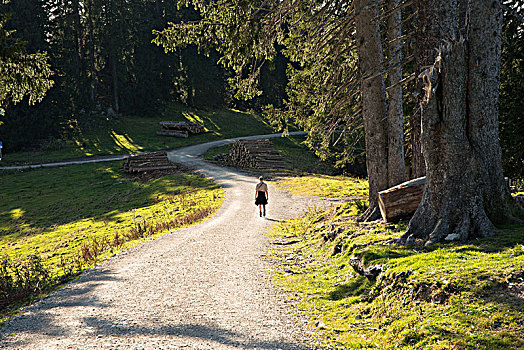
261,178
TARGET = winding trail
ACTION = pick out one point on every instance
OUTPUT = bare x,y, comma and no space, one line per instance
202,287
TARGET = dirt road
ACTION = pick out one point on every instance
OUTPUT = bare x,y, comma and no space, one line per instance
203,287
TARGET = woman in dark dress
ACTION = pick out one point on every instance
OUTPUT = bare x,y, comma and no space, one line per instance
261,196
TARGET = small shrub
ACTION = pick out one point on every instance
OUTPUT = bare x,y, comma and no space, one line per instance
21,280
362,206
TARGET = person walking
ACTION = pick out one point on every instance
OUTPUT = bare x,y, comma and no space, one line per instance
261,196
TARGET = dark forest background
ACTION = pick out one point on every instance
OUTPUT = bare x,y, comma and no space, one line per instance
106,65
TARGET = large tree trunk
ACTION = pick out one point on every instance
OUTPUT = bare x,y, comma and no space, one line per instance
459,135
373,95
396,165
431,29
417,168
484,36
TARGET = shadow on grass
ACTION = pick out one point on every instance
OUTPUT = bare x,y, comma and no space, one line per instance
36,199
356,287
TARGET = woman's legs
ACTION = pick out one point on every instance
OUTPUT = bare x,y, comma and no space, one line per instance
260,209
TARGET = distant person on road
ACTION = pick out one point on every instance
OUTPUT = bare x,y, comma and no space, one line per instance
261,196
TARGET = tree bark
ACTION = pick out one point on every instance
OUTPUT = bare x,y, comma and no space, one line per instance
373,96
431,29
113,58
79,54
92,85
465,189
484,36
396,164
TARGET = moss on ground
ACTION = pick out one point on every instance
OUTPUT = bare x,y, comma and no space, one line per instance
326,186
448,296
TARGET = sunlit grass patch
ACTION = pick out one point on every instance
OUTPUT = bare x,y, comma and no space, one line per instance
131,134
448,296
325,186
79,215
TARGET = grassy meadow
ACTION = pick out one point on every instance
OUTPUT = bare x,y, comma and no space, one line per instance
131,134
447,296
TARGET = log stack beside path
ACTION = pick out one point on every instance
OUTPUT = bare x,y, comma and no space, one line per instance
258,154
147,162
180,129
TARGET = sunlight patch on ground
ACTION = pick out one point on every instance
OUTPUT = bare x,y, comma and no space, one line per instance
82,147
16,213
193,117
125,142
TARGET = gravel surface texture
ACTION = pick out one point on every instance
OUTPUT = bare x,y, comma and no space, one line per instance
203,287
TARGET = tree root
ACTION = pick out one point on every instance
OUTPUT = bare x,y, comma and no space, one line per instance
473,223
371,273
371,214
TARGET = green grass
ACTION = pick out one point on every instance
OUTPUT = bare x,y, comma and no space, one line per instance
298,158
130,134
53,211
325,186
58,213
448,296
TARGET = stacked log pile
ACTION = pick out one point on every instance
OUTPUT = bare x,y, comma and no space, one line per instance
258,154
180,129
147,162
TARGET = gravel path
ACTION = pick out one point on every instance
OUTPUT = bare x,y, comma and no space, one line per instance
114,157
203,287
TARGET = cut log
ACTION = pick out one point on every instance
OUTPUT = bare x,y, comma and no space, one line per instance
401,201
175,133
147,162
191,128
258,154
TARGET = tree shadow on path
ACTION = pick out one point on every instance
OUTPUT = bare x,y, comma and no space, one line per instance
201,332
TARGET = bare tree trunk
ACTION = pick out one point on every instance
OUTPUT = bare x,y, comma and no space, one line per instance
418,167
92,86
484,36
113,58
430,31
79,54
396,164
373,97
463,8
115,81
464,187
